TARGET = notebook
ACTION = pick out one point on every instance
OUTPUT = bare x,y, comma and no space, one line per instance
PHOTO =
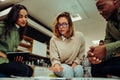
12,55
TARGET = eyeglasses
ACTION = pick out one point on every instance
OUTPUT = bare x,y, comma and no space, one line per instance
64,24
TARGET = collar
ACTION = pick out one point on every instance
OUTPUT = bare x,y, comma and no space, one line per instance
17,26
63,38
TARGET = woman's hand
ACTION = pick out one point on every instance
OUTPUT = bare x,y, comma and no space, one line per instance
3,55
18,59
74,64
56,68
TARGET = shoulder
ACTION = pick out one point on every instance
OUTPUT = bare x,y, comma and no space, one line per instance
55,39
79,34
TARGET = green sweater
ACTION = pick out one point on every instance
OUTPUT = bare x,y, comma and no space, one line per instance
112,38
9,43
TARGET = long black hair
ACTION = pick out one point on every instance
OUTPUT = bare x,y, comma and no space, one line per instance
12,18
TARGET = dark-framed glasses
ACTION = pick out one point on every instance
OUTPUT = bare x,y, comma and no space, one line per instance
64,24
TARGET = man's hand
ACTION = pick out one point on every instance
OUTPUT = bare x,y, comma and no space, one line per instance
96,54
99,52
94,60
91,57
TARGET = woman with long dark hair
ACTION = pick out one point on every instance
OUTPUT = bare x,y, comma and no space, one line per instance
12,29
